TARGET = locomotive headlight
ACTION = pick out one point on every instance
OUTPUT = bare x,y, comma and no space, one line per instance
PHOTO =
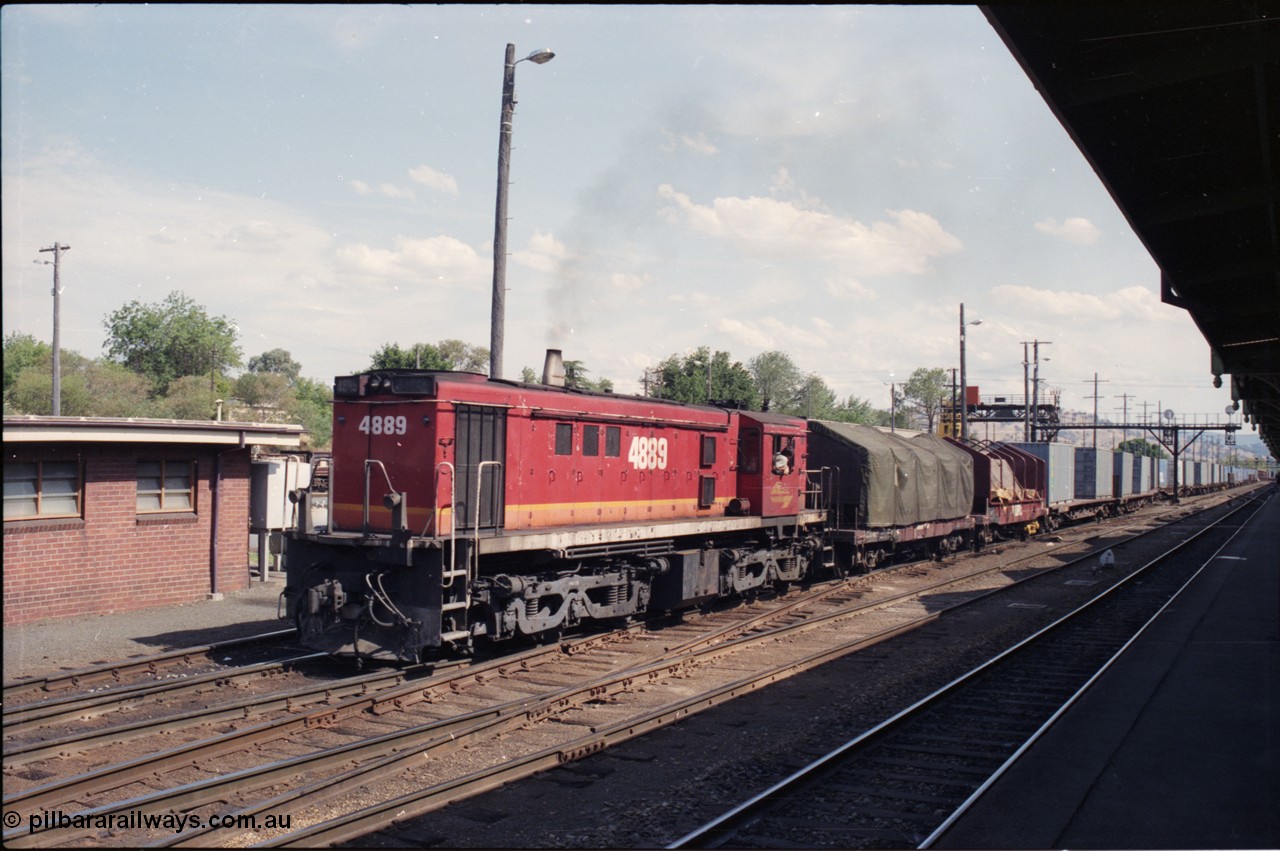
374,383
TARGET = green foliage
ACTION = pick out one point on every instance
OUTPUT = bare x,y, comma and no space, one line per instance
925,392
189,398
685,379
575,377
452,355
264,390
171,339
89,389
464,357
1138,446
22,351
276,362
778,380
276,392
813,399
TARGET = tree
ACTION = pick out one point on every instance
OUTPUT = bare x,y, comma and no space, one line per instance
813,400
1138,446
311,408
20,352
855,410
189,398
89,389
464,357
702,378
777,378
276,362
264,390
575,377
925,392
453,355
171,339
417,356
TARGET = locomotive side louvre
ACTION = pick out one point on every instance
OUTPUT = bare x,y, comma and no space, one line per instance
480,453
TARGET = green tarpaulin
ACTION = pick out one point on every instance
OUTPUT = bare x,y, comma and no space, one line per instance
888,479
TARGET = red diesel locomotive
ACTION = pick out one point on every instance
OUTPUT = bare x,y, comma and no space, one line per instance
465,509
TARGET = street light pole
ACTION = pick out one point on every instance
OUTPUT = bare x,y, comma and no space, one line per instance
498,317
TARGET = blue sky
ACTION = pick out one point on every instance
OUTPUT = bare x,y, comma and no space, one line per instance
830,181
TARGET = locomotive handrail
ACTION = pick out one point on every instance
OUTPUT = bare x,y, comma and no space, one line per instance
476,525
453,518
369,462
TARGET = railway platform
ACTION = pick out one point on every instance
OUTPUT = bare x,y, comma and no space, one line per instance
1177,745
68,644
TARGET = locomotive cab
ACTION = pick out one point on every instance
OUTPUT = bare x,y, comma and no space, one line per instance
772,456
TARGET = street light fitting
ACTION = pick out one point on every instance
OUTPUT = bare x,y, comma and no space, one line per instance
540,57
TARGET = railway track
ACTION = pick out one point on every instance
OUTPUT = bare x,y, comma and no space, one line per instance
906,780
172,663
484,707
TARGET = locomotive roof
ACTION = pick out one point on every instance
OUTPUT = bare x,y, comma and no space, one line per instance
461,376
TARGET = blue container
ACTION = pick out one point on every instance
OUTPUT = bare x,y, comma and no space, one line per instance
1060,468
1122,474
1093,473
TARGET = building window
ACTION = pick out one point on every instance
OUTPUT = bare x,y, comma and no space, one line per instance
564,438
590,440
612,442
166,486
43,489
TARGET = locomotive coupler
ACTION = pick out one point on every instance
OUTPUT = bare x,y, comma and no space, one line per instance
327,595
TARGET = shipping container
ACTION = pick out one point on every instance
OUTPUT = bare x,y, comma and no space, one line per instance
1122,474
1163,473
1060,469
1093,473
1141,473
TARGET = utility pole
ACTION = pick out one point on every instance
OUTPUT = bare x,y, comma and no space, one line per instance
1126,397
1035,386
57,250
1026,397
1096,382
952,421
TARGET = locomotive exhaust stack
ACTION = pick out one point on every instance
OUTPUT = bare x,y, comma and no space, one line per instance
553,369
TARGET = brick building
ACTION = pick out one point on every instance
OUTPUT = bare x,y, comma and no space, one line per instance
107,515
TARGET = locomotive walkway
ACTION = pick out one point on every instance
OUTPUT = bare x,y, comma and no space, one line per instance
1178,746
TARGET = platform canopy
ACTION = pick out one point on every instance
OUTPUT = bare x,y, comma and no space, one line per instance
1177,108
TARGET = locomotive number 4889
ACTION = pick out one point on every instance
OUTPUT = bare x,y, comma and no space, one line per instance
648,453
384,425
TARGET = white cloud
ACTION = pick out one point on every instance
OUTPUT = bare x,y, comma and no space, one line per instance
1129,304
1074,230
392,191
360,187
545,253
848,288
432,179
437,257
902,245
695,142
